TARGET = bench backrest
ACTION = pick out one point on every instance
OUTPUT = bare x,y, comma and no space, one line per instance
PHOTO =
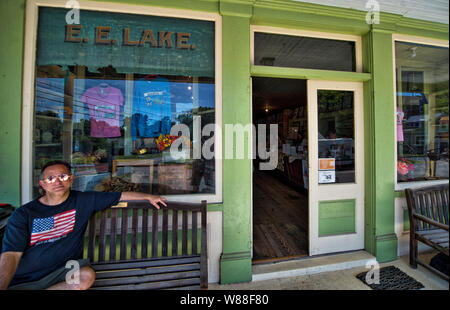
431,202
148,233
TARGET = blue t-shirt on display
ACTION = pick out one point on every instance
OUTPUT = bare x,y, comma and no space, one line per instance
151,108
49,236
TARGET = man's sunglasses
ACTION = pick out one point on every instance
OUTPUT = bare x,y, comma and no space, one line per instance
52,179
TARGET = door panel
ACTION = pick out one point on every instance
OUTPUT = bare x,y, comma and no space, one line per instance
336,166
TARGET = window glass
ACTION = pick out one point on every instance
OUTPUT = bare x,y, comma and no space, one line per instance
109,91
304,52
422,112
336,136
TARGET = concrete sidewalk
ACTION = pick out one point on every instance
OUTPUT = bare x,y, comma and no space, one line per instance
329,273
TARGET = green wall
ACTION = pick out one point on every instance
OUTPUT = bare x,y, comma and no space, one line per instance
12,13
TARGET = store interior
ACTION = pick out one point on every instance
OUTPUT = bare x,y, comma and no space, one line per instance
280,195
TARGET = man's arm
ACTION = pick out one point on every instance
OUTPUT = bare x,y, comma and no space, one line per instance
154,200
8,265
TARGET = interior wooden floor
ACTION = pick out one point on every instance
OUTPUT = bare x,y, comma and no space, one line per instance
280,220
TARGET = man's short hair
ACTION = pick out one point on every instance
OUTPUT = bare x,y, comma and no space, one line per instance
53,163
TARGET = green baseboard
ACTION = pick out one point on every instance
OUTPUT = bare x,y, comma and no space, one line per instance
386,248
235,267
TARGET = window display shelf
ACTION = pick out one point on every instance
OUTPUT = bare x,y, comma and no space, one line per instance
48,144
54,118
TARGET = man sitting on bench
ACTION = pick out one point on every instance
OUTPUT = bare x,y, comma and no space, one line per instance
43,242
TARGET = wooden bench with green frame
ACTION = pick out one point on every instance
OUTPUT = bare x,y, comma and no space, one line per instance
148,255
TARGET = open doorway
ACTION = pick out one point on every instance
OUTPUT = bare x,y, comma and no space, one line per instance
280,196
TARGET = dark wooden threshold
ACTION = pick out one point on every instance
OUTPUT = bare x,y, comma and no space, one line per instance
277,259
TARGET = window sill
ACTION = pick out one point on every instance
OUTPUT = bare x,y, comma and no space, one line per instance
404,185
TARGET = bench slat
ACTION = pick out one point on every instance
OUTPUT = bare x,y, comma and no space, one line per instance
148,278
154,285
144,245
444,197
185,288
441,241
432,232
123,234
91,242
146,271
165,232
194,233
154,233
134,233
184,236
102,236
145,263
174,233
113,234
204,252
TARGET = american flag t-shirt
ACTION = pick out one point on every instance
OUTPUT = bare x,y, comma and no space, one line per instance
52,227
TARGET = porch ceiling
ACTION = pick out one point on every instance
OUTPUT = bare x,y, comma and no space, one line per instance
429,10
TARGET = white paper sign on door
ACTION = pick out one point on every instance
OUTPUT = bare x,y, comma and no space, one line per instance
327,172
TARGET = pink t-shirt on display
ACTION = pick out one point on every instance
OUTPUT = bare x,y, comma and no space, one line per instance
104,109
400,116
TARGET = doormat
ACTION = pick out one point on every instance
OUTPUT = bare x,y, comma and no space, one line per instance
392,278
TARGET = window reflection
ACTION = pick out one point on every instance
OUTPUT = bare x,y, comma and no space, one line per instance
336,136
115,130
421,112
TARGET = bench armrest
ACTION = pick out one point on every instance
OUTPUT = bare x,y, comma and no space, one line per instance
430,221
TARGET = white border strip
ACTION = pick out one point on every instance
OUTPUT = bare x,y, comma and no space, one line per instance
418,40
31,22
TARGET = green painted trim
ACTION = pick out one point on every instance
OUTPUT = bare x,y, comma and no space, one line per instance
237,174
386,248
400,194
337,217
406,223
12,17
312,74
236,256
379,144
234,267
309,16
369,162
238,8
215,207
211,6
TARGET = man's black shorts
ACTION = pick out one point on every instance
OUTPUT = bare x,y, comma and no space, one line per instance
57,276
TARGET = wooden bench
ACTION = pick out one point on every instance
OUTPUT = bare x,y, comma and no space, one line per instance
428,216
158,251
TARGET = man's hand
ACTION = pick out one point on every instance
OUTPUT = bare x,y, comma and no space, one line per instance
153,199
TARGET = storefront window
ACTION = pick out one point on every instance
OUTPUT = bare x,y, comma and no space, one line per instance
109,91
304,52
422,111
